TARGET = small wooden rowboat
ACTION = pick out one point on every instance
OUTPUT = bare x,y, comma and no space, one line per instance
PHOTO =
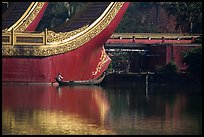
83,82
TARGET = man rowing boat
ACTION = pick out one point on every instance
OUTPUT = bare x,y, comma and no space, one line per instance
58,78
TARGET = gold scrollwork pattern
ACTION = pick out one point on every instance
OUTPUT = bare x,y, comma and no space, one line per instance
31,17
60,47
103,60
57,37
79,41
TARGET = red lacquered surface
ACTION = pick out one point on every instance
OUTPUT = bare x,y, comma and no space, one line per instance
79,64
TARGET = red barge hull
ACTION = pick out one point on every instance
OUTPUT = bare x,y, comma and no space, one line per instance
86,62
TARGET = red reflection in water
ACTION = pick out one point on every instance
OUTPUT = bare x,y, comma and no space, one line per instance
174,111
88,102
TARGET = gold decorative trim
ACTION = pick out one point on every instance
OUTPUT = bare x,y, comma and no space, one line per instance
103,60
22,18
27,18
32,15
66,41
58,37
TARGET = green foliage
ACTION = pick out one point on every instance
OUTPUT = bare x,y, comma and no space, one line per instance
193,59
119,61
76,6
54,15
198,40
169,69
167,73
188,14
138,17
57,13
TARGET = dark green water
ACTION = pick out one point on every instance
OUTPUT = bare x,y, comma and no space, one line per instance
115,109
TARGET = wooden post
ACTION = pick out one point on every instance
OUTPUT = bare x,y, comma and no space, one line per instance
163,39
45,36
12,36
133,38
147,84
192,39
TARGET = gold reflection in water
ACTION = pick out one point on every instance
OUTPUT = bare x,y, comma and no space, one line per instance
55,121
52,123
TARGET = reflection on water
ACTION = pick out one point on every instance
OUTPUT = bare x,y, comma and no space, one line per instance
44,109
134,112
51,110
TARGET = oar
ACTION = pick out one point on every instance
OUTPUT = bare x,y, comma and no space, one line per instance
53,82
